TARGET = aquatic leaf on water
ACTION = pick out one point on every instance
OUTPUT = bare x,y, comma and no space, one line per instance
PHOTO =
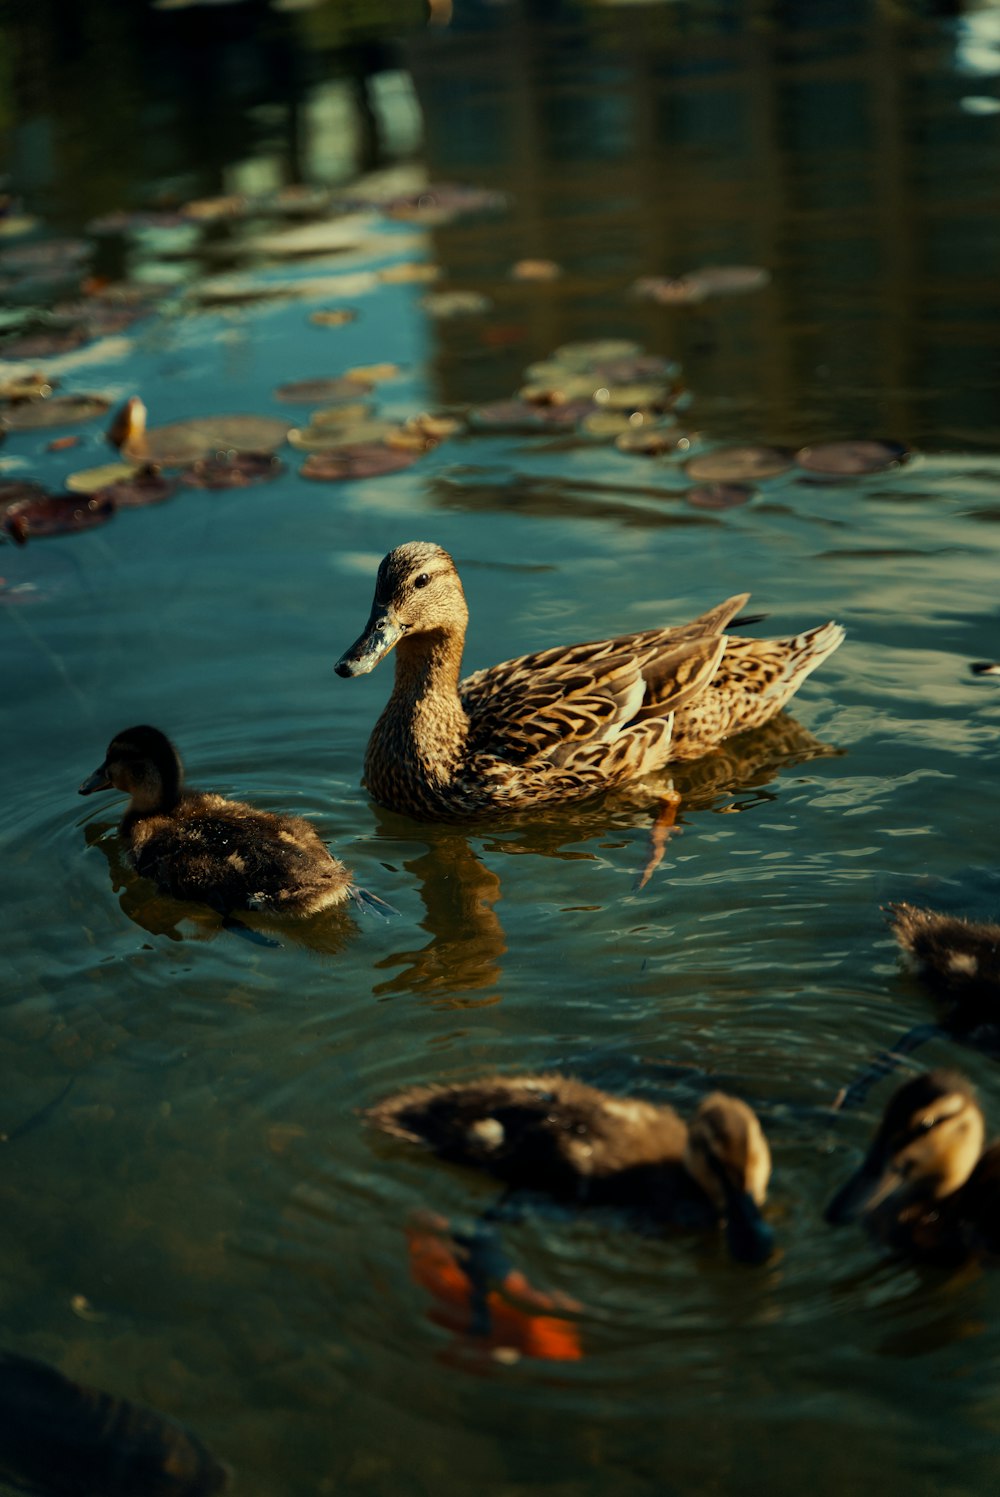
600,350
651,439
55,410
729,280
341,387
123,222
668,290
142,488
372,374
14,490
324,437
571,386
27,387
733,464
638,370
719,495
443,202
522,415
183,442
851,458
636,397
363,460
89,480
333,316
211,210
55,514
606,423
535,270
54,255
455,303
409,272
44,343
235,470
342,415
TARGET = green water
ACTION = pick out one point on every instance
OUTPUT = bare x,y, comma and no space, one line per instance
202,1222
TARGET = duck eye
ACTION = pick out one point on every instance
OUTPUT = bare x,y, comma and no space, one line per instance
422,580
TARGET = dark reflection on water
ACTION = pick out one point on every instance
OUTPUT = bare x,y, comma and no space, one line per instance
197,1218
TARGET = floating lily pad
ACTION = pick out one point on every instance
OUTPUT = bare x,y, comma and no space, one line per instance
851,458
184,442
140,489
535,270
437,427
90,480
333,316
734,464
635,371
56,410
234,471
317,391
669,290
410,272
363,460
341,416
636,397
443,203
560,391
719,495
133,223
521,415
729,280
211,210
55,255
44,343
606,423
455,303
27,387
650,439
14,490
55,514
600,350
324,438
372,374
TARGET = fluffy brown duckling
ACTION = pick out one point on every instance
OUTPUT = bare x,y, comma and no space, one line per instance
926,1189
564,723
554,1134
199,846
960,960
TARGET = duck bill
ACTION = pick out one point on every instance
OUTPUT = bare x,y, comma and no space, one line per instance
97,781
382,631
867,1188
749,1237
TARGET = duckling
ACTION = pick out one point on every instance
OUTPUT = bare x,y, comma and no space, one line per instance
925,1188
561,724
555,1134
960,960
198,846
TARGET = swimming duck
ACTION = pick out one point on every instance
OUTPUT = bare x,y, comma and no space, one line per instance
960,960
560,724
198,846
555,1134
925,1188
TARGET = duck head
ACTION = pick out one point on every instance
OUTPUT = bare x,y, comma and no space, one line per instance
417,592
729,1157
926,1147
143,762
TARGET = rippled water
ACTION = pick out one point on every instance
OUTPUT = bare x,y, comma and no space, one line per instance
200,1220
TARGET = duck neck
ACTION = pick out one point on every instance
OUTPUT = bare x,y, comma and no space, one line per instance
421,737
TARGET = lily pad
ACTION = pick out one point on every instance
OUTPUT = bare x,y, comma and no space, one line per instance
90,480
522,415
14,490
851,459
56,410
55,514
635,397
142,488
600,350
333,316
729,280
363,460
734,464
317,391
561,390
324,438
372,374
235,470
719,495
410,272
27,387
55,255
455,303
651,440
669,291
444,202
184,442
44,343
535,270
342,415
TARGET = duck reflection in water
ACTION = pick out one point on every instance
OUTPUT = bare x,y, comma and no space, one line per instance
460,892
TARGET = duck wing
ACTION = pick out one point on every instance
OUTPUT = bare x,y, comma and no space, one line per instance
602,704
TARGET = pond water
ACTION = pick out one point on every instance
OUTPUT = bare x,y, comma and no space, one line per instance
197,1217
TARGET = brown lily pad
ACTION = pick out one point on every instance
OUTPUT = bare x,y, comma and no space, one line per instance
729,280
325,437
523,415
455,303
184,442
333,316
15,490
55,514
596,351
54,255
410,273
443,203
719,495
139,490
45,343
337,390
362,460
651,440
55,410
735,464
535,270
851,459
236,470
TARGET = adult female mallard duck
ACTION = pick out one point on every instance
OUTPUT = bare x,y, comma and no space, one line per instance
222,852
554,1134
561,724
925,1188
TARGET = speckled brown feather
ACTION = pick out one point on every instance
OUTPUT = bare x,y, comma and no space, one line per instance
562,723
